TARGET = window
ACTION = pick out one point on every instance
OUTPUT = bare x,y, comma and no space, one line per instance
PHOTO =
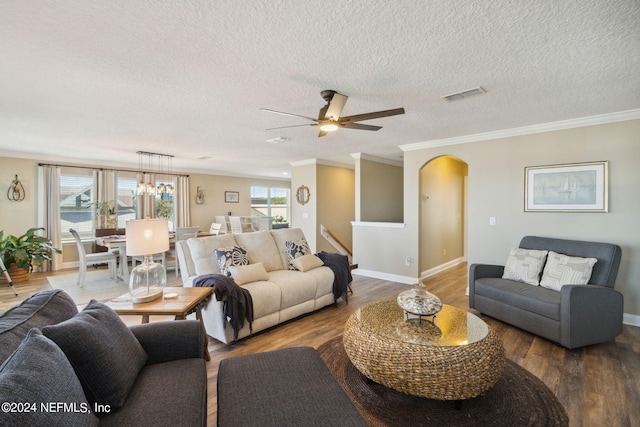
76,197
273,202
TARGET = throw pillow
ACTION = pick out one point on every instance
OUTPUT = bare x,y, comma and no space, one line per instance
104,353
232,255
295,249
524,265
566,270
248,273
307,262
39,373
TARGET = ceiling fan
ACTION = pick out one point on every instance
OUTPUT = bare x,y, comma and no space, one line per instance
329,117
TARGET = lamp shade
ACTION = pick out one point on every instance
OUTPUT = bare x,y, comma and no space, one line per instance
147,236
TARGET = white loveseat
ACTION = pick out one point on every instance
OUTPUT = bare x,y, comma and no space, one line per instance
284,295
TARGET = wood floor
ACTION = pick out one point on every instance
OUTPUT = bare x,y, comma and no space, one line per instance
598,385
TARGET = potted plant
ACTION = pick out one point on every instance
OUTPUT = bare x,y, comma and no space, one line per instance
106,211
20,254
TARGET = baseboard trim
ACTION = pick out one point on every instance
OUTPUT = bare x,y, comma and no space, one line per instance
385,276
631,319
435,270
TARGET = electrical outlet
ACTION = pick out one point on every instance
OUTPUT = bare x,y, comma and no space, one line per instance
407,261
444,251
492,220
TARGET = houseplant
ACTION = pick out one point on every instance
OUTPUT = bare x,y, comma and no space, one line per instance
106,211
20,253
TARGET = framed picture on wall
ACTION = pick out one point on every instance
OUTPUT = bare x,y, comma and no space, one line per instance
574,187
231,197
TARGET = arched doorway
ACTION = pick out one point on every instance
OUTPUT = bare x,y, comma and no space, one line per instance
442,220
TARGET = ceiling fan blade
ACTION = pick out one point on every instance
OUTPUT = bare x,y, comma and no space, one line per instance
369,116
288,114
293,126
335,106
360,126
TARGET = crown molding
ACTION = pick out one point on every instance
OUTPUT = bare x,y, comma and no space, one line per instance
320,162
528,130
364,156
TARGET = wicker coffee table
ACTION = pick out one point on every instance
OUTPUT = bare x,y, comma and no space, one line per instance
453,356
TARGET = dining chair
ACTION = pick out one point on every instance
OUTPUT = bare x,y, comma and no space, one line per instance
221,219
182,233
215,228
236,224
86,259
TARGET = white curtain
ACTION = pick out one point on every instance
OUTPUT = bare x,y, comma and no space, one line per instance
105,182
181,202
49,210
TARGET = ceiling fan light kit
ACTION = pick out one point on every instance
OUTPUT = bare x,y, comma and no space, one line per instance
329,118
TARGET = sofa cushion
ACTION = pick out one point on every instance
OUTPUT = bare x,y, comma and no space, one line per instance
248,273
41,309
294,249
167,394
524,265
307,262
104,353
203,252
297,287
266,297
563,270
262,248
535,299
282,236
232,255
38,372
324,280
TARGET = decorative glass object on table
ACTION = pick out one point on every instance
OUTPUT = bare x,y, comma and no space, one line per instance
147,237
418,301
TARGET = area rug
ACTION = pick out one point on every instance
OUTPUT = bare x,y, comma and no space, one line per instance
518,399
98,285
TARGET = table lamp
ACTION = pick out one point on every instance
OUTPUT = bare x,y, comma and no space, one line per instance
146,237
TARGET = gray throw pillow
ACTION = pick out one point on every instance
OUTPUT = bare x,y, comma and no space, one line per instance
41,309
104,353
38,373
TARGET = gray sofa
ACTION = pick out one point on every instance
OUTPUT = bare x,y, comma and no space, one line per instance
64,368
575,316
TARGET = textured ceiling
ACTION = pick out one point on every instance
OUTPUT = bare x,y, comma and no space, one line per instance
85,81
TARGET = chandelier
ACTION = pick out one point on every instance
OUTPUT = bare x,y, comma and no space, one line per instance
164,169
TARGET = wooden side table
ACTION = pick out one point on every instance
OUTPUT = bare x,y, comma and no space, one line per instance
189,300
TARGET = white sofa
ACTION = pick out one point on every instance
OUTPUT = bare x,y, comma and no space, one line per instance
286,293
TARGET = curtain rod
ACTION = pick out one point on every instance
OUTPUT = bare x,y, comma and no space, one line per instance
110,169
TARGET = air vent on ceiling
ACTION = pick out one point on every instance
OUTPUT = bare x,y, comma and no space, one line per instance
464,94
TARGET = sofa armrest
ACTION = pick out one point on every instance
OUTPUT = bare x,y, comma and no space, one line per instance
478,271
589,314
171,340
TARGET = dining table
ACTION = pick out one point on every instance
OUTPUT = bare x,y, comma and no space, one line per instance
118,243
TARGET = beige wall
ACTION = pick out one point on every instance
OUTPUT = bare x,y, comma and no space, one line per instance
214,187
336,207
305,216
18,217
496,188
331,202
442,204
380,192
